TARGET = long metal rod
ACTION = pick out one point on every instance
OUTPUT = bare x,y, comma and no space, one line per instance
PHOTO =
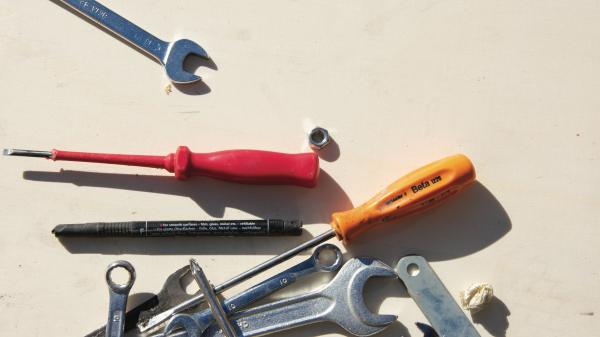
211,298
163,316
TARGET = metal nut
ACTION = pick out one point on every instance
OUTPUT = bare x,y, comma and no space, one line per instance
318,138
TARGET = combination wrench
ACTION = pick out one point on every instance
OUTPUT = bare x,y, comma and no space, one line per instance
340,301
118,294
170,55
196,323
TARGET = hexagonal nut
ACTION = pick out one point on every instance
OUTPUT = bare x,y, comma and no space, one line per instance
318,138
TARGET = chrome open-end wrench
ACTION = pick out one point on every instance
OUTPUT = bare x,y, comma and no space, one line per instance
196,323
118,299
170,55
340,301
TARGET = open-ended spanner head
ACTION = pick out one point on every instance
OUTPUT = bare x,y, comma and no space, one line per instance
175,56
350,310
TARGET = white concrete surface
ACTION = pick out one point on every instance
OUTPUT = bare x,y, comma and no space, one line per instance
514,85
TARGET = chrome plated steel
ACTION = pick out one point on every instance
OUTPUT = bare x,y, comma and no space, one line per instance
118,299
196,323
318,138
156,320
340,301
211,299
170,54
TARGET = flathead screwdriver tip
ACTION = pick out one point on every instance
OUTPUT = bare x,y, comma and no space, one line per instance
195,266
27,153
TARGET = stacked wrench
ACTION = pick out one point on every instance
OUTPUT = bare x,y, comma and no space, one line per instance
340,301
326,258
199,321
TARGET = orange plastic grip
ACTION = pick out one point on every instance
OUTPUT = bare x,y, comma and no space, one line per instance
414,192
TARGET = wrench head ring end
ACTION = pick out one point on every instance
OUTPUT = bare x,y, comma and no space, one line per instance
120,288
324,263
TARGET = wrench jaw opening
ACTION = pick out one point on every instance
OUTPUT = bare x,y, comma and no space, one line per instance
185,322
175,57
372,323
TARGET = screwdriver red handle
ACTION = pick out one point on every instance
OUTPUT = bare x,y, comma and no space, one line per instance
241,166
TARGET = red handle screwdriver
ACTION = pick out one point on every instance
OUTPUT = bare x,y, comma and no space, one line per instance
241,166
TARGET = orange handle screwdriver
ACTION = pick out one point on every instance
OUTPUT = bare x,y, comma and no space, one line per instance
416,191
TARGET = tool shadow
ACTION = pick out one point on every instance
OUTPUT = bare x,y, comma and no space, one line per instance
465,224
191,63
494,318
286,202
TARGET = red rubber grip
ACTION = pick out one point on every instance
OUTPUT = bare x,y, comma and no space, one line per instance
241,166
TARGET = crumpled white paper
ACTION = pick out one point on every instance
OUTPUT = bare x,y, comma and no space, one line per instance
476,296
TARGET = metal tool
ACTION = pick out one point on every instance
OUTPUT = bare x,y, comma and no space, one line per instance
170,55
241,166
268,227
211,298
118,299
318,138
341,302
197,322
417,191
433,298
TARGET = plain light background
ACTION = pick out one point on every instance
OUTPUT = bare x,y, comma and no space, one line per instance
512,84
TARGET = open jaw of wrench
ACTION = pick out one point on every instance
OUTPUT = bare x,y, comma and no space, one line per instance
170,54
195,324
432,297
340,301
118,298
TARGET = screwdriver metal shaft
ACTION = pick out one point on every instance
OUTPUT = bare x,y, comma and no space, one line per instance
27,153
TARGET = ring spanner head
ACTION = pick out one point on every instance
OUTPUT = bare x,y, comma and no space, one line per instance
175,57
118,299
117,287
